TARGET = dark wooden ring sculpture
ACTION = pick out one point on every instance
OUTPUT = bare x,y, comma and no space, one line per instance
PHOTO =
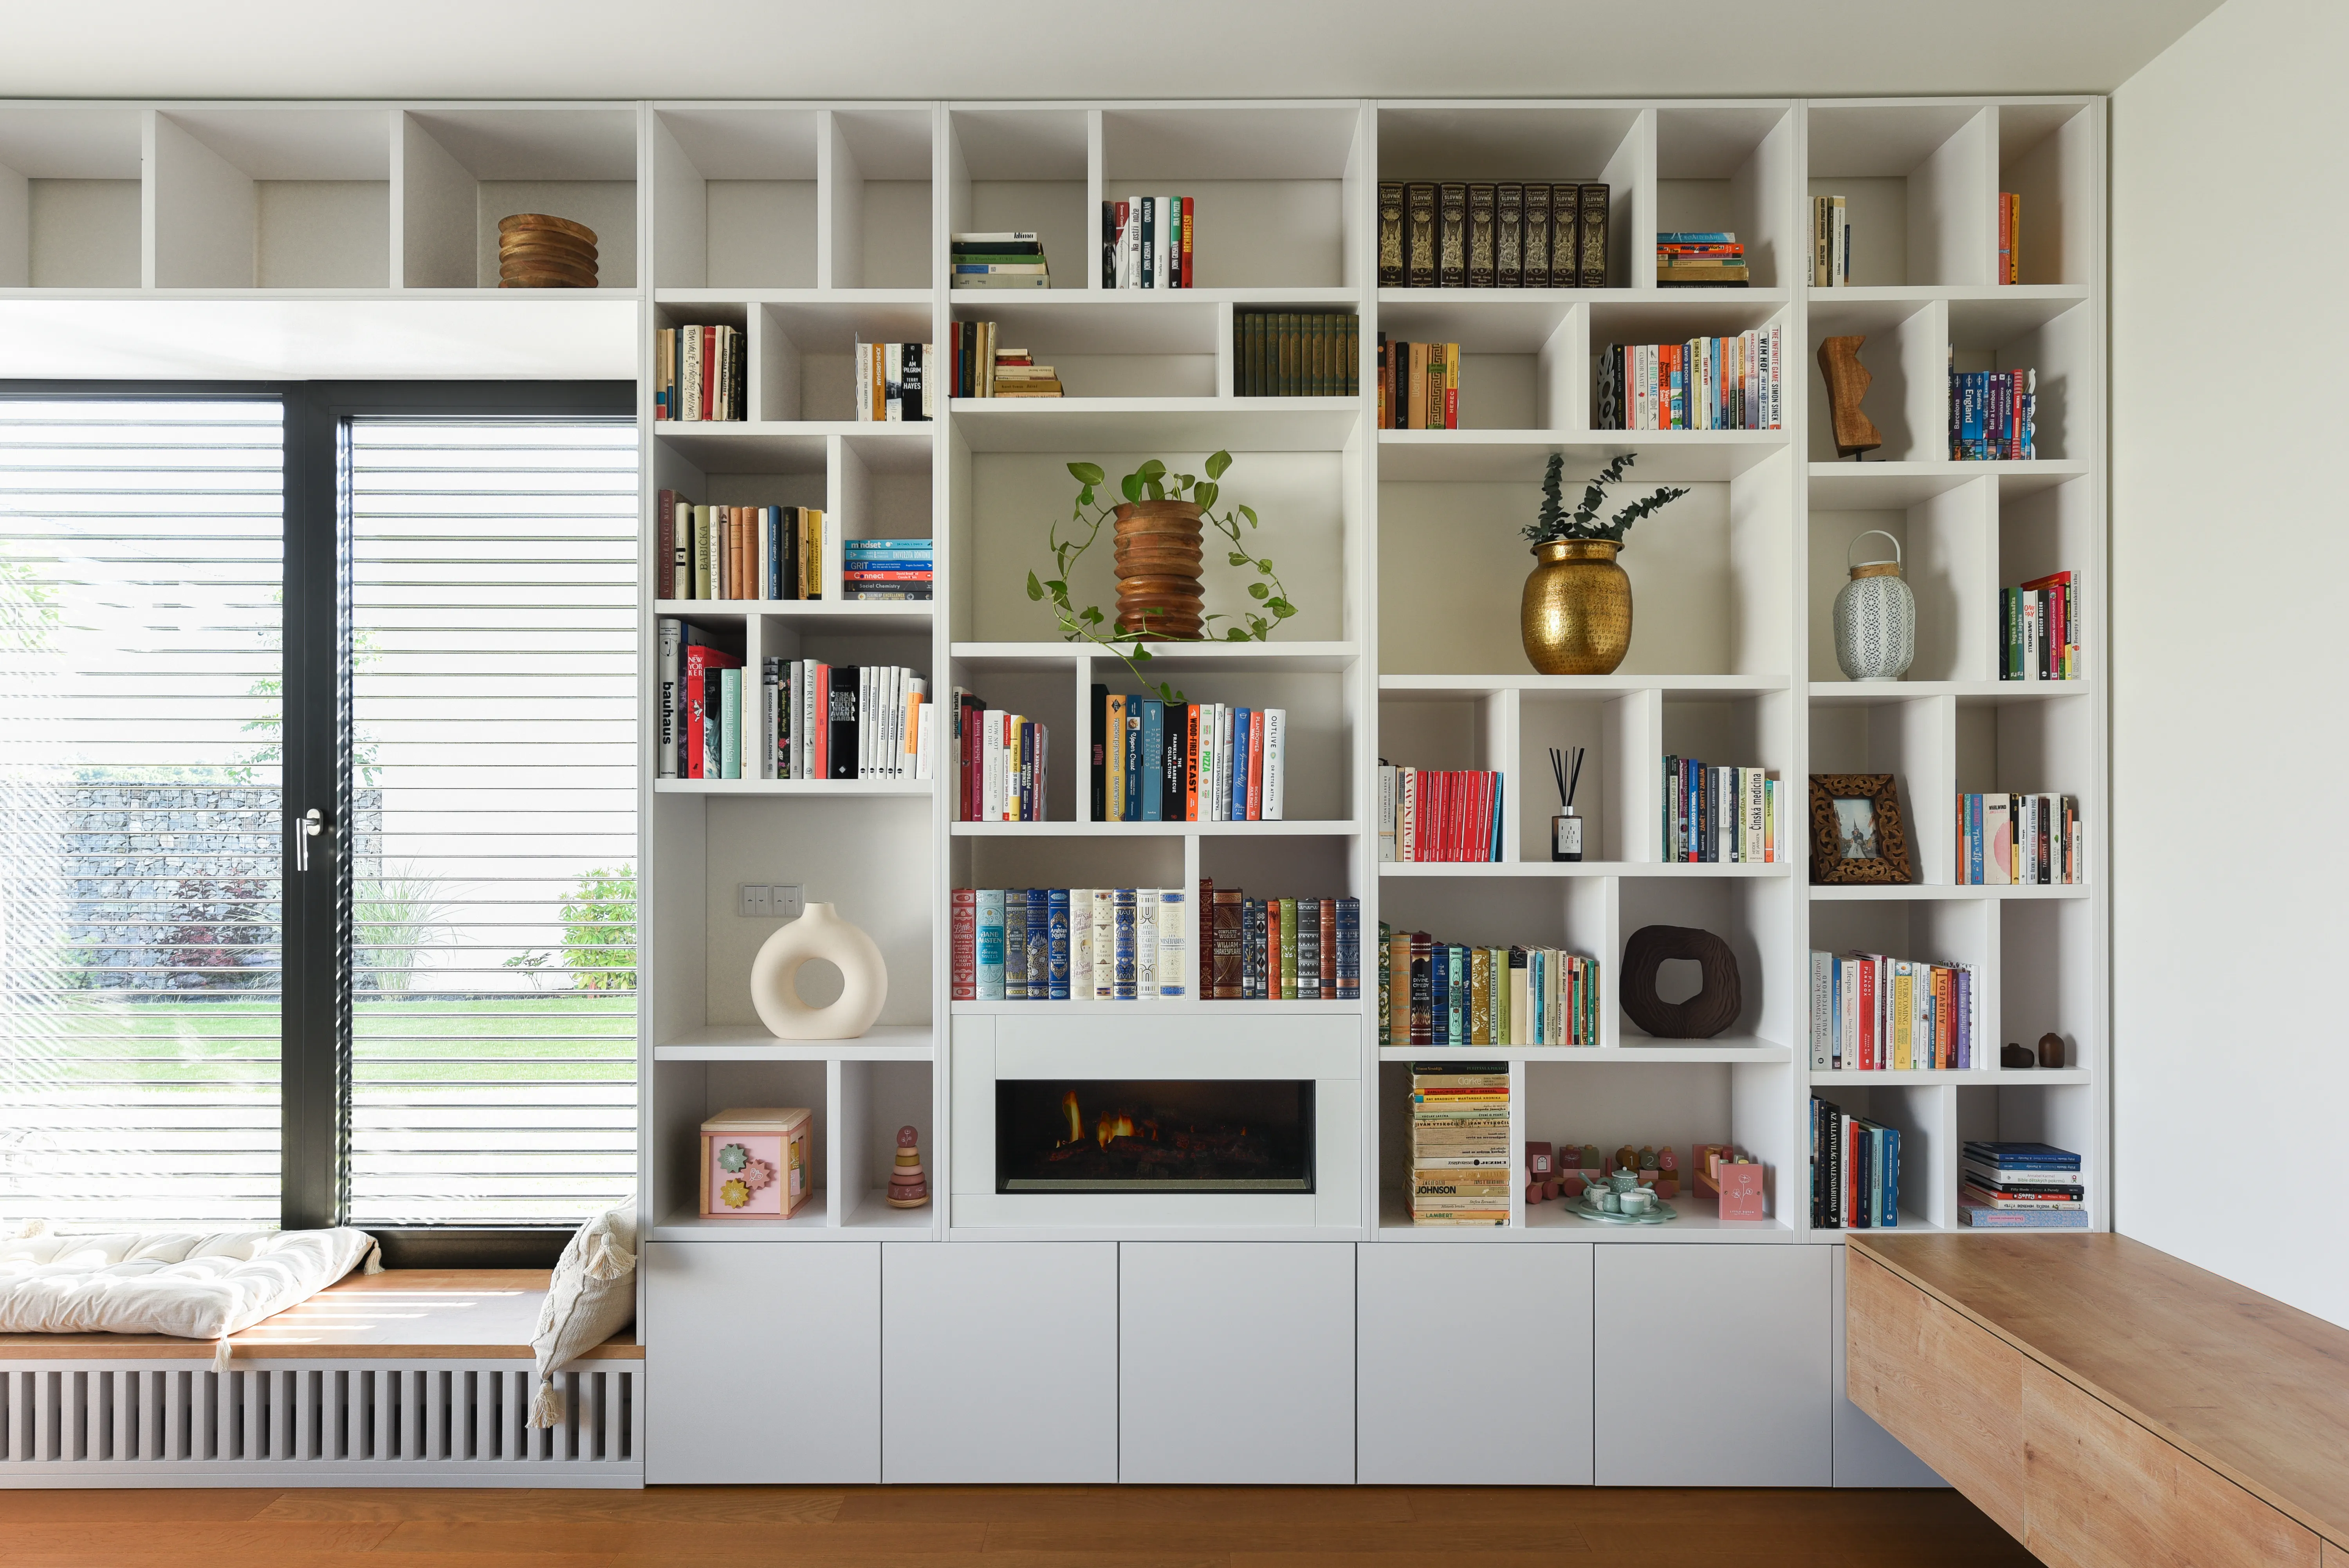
1713,1009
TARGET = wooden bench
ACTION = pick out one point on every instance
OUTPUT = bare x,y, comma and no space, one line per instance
2108,1404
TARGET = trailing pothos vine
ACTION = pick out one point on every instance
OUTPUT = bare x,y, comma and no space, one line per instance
1151,482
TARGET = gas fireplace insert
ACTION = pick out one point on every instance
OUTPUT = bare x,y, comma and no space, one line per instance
1120,1135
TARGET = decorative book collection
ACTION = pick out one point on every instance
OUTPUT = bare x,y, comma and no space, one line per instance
893,383
1993,416
1873,1013
1280,949
1196,762
1295,353
1439,814
977,366
890,569
1855,1170
2019,840
1704,384
1001,762
1148,242
802,720
1443,994
1830,242
1452,234
1725,814
1710,258
1418,386
1067,944
700,373
2039,625
1459,1155
764,553
1012,258
2020,1185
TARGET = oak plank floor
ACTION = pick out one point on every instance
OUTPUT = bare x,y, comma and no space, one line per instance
1000,1527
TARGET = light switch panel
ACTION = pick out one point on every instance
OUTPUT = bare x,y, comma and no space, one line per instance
789,899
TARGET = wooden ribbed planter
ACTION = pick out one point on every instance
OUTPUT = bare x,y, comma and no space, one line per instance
1158,555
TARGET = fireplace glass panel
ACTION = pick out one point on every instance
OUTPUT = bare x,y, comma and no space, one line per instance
1125,1135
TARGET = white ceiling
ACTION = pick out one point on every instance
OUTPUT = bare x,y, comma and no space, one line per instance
1074,49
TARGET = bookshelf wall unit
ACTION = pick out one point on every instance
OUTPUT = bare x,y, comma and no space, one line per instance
812,226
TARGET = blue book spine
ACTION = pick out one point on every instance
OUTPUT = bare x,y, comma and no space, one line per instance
1887,1205
1172,904
1536,983
1122,975
1239,764
990,944
1151,767
1350,950
1439,994
1965,1017
1039,943
1056,946
1493,831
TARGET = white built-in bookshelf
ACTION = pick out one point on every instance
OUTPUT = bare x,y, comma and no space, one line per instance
811,227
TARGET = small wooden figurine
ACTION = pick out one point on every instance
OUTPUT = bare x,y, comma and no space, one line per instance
1626,1159
2051,1050
1668,1173
2013,1056
1847,381
909,1187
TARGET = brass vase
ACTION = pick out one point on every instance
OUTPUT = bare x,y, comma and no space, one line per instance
1576,618
1158,553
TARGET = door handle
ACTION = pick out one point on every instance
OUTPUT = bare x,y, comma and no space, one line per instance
313,823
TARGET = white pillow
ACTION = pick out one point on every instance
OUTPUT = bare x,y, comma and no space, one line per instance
592,1297
193,1285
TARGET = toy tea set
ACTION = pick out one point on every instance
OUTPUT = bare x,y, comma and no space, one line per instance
1635,1187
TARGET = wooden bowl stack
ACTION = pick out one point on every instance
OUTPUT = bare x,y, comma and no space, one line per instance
539,250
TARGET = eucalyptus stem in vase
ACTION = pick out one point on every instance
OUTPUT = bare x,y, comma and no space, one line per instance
1576,616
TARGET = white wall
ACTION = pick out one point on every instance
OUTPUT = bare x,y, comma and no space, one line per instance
2230,591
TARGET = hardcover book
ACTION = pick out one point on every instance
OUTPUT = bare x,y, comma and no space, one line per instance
1590,235
1508,237
1391,260
1480,237
1452,235
1420,235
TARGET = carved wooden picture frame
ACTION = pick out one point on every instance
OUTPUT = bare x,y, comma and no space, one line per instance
1857,833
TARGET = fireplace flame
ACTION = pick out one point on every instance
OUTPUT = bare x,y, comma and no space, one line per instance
1113,1127
1076,1121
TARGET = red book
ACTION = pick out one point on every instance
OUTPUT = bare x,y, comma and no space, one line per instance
1328,908
1191,768
709,371
664,544
1272,950
700,696
1866,1013
1187,221
1256,745
963,969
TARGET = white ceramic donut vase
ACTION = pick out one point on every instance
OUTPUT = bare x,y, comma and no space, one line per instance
820,933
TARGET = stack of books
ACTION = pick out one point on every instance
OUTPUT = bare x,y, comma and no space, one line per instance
803,720
1198,762
2020,1185
1013,258
1148,242
891,569
2010,238
1014,373
1439,813
736,552
1443,994
1460,233
1418,386
1830,244
1993,416
698,373
1460,1165
977,366
1874,1013
2041,622
1855,1171
1295,353
1000,762
1282,950
1709,258
892,382
1067,944
1703,384
1719,814
2020,840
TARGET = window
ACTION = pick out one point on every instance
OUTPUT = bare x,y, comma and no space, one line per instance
411,611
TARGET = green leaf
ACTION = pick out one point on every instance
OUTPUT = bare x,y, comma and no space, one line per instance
1238,559
1131,485
1168,694
1206,495
1248,513
1035,589
1280,607
1084,499
1152,470
1264,566
1087,474
1257,590
1235,634
1157,491
1217,463
1092,616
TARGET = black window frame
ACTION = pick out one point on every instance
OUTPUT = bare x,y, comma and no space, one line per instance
315,1039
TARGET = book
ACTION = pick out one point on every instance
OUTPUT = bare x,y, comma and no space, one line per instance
1982,1216
2028,840
1002,259
1830,242
1590,235
1295,353
1418,234
1705,383
1451,235
1480,239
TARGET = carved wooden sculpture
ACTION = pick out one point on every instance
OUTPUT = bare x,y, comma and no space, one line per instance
1847,381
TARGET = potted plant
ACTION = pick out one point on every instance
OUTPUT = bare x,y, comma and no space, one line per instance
1575,617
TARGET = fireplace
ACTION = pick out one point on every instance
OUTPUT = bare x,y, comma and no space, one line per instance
1154,1135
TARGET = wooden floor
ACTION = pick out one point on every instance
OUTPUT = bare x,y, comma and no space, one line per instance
1000,1527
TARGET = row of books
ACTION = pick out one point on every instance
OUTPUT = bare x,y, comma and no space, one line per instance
1993,416
736,552
1148,242
1064,944
1855,1170
1282,950
1009,258
2020,840
1455,233
2020,1185
1418,386
979,366
1709,258
891,569
2040,631
1830,242
1725,814
1460,1155
1874,1013
1443,994
1001,762
802,720
1197,762
893,383
1295,353
1439,813
700,373
1704,384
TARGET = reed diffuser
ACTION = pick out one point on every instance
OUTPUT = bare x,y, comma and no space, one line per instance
1565,827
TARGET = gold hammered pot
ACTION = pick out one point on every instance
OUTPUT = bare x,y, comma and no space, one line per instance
1577,615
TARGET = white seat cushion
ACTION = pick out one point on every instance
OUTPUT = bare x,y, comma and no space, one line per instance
189,1284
